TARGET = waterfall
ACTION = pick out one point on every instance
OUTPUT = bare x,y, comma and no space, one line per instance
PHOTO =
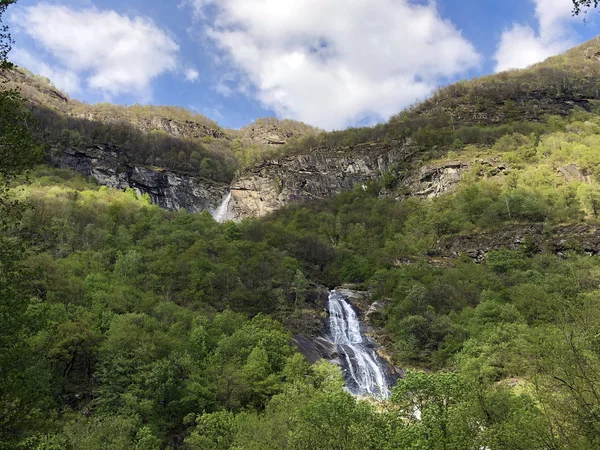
363,369
220,214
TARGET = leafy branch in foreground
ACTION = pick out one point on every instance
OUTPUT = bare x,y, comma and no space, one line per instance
580,6
6,40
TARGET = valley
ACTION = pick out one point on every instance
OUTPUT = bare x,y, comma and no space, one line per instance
431,282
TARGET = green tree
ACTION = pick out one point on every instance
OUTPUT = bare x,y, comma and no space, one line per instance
439,402
24,382
5,37
300,285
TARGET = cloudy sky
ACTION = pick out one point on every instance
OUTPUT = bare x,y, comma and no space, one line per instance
330,63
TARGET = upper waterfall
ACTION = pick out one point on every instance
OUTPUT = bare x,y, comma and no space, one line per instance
363,369
220,214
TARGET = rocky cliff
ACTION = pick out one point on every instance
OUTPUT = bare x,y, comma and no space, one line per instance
272,132
433,180
109,166
272,184
560,240
174,121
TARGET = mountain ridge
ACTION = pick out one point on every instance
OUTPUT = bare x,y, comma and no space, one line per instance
470,112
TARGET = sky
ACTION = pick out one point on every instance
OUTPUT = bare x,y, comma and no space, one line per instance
328,63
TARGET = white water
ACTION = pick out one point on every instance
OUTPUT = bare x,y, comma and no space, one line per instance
220,214
364,373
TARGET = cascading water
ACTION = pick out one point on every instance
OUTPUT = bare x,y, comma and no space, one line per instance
220,214
363,369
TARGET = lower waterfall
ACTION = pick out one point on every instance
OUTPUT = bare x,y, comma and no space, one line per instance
363,369
220,214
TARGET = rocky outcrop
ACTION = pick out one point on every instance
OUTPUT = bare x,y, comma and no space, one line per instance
272,184
178,128
272,132
176,122
442,178
559,240
315,348
173,191
572,173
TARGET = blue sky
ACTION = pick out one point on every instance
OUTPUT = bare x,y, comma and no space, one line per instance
330,63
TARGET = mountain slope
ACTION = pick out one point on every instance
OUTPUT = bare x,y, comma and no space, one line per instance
477,246
317,164
477,112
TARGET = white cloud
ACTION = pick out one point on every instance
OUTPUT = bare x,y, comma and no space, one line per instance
113,53
521,46
65,80
192,75
336,62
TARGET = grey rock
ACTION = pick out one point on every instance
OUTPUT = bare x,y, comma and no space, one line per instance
374,313
315,348
272,184
173,191
434,180
572,173
560,240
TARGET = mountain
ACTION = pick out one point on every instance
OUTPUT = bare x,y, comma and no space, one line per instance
280,162
475,112
179,158
449,256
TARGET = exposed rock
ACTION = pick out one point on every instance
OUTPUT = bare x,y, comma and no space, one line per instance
359,299
174,121
182,129
572,173
109,167
434,180
526,105
37,89
272,184
560,240
316,348
374,314
272,132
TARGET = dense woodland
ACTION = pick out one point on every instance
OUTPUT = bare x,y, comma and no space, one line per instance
144,328
125,326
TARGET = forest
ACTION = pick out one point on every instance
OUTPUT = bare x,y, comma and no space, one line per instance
126,326
135,327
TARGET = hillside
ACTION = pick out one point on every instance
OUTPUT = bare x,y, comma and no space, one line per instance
463,234
251,160
171,138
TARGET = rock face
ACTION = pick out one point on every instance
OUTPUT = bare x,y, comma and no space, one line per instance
560,240
572,173
275,183
180,128
272,132
169,190
435,180
315,348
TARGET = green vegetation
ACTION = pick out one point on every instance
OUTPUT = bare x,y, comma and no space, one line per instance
158,330
125,326
5,37
479,111
140,334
